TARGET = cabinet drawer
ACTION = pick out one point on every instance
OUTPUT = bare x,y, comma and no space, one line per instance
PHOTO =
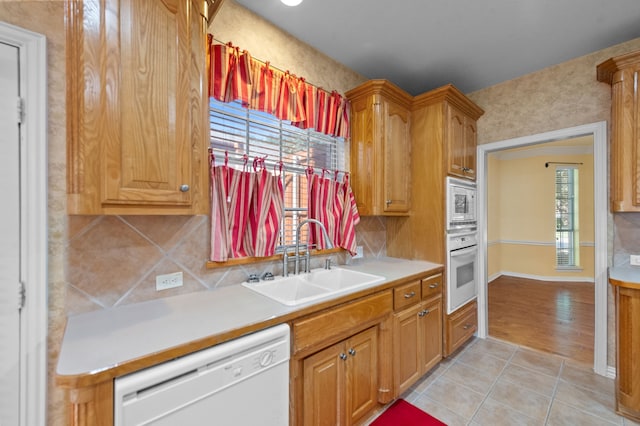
461,326
432,286
406,295
333,324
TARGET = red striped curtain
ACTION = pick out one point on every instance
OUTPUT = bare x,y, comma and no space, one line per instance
246,212
235,75
332,203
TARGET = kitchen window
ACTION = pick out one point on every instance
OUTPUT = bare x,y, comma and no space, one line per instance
238,131
567,236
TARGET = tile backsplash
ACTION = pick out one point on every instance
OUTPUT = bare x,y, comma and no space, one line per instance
113,260
626,240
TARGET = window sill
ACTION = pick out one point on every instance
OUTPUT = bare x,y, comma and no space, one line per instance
248,260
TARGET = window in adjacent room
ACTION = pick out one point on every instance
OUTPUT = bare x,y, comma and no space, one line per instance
240,131
567,236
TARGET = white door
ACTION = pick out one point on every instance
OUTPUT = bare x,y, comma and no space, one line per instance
9,236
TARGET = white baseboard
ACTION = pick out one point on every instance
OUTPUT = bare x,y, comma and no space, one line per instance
540,277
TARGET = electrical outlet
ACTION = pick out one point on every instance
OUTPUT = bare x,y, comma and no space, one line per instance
359,253
634,259
166,281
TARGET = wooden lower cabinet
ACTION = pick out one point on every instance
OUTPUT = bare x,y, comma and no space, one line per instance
627,298
341,381
460,326
417,336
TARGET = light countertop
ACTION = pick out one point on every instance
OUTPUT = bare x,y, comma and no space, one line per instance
626,273
102,340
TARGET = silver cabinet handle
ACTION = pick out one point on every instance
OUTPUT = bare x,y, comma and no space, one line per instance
343,357
434,285
388,202
466,326
184,187
409,295
423,312
352,352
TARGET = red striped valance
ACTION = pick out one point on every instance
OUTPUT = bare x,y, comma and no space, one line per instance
235,75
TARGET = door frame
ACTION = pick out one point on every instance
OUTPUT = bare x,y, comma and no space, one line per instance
600,206
33,221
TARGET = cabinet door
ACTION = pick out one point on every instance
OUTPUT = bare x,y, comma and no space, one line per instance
470,143
362,154
431,334
406,353
397,158
625,142
455,140
362,375
324,381
137,107
461,143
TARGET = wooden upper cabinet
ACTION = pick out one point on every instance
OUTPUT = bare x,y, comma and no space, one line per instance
622,73
461,142
137,107
381,148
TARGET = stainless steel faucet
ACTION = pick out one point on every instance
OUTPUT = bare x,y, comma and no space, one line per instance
329,244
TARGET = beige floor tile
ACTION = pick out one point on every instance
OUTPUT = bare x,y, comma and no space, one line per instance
594,403
493,413
439,411
494,347
542,363
520,399
430,377
472,377
454,396
533,380
565,415
488,363
586,378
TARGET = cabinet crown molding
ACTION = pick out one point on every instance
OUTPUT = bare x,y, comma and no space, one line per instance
450,94
381,87
608,68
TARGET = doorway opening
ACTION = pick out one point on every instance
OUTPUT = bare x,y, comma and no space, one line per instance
598,132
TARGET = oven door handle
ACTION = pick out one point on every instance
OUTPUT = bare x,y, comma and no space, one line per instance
463,251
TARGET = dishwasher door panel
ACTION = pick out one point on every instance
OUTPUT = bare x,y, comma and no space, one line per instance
242,382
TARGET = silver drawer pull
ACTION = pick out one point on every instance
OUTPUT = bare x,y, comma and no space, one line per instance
434,285
343,356
352,352
409,295
466,326
184,188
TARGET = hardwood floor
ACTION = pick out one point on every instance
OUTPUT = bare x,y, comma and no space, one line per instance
555,317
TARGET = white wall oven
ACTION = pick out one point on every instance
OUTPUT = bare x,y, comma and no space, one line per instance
462,243
462,259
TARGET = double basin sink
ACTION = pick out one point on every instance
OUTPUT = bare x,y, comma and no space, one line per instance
315,285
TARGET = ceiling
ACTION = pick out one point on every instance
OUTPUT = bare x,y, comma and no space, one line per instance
423,44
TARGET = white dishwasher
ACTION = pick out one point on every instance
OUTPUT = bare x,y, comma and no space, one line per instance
241,382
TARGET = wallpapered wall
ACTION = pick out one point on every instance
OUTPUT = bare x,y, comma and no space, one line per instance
560,96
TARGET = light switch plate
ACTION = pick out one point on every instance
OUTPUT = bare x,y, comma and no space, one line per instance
634,259
166,281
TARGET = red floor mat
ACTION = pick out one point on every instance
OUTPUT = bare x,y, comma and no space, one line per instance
401,413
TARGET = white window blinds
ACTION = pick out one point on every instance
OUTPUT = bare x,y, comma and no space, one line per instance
567,240
238,131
